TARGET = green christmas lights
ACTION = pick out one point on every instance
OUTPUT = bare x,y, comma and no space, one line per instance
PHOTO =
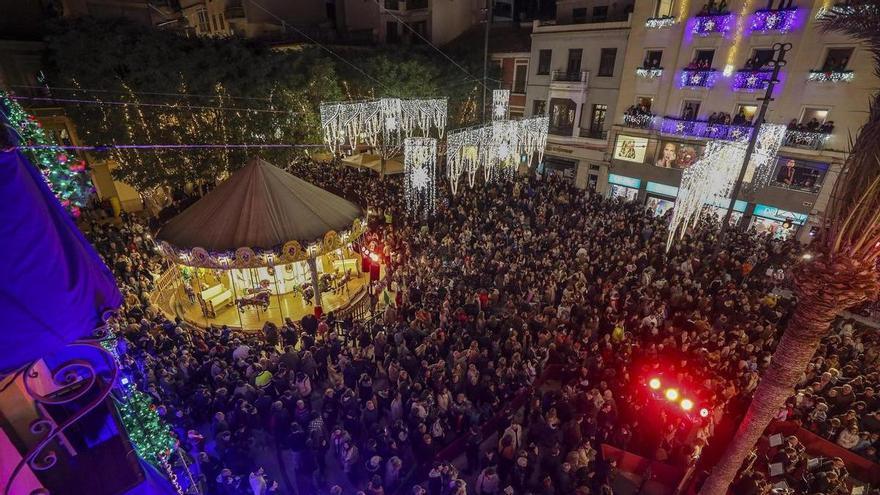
65,174
146,430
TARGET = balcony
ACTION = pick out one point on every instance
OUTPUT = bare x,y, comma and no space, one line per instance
774,21
751,79
639,120
593,134
702,129
646,73
830,76
705,25
660,22
698,78
563,76
805,139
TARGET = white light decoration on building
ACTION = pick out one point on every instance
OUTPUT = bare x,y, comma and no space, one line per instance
728,70
649,73
708,180
500,104
420,175
763,158
660,22
383,122
831,76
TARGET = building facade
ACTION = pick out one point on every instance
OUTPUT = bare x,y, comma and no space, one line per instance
690,76
574,76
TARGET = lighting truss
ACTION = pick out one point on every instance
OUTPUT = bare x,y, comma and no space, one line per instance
420,175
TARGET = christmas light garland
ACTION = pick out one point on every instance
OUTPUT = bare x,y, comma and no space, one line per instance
66,175
420,175
500,104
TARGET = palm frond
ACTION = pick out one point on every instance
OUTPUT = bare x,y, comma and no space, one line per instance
852,222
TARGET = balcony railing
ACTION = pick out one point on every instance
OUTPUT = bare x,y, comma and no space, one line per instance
705,25
649,73
698,78
751,79
774,21
561,130
593,134
832,76
703,129
639,121
805,139
565,76
660,22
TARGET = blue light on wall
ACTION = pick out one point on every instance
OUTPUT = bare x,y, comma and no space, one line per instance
622,180
779,214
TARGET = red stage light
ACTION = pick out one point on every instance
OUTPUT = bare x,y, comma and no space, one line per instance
704,412
687,404
671,394
654,383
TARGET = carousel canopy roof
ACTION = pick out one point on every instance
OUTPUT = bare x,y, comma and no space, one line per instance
259,206
54,287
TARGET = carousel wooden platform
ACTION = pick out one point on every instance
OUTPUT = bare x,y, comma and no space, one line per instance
172,299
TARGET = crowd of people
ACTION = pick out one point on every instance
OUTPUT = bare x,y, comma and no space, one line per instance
504,283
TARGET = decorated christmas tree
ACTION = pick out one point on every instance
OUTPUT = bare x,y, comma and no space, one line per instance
65,174
146,430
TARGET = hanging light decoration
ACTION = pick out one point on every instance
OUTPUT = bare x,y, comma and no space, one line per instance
386,121
500,104
710,180
420,175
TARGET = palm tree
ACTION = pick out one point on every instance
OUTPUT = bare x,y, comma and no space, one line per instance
844,269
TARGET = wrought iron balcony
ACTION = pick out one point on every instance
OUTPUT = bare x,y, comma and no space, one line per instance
698,78
774,21
832,76
564,76
593,134
751,79
652,73
703,129
660,22
639,121
707,24
805,139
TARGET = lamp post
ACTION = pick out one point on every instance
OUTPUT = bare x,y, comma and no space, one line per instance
489,5
780,49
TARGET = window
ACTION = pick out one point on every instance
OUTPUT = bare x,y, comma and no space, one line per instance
747,112
519,77
600,14
705,57
814,115
331,11
539,107
760,58
606,62
203,21
644,102
836,59
562,116
578,15
597,121
663,9
216,22
690,109
544,57
222,21
652,59
574,62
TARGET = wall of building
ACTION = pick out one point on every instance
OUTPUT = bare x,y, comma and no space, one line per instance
845,102
450,18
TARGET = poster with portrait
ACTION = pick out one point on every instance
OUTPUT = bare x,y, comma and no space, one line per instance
678,155
630,148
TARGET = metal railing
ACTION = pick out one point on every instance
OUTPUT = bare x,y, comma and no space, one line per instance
565,76
805,139
593,134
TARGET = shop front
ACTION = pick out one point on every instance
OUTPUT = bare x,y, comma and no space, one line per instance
621,186
781,224
660,198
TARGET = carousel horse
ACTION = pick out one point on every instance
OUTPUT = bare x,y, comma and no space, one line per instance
259,300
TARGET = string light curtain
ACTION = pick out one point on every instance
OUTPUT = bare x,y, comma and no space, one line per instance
420,175
500,104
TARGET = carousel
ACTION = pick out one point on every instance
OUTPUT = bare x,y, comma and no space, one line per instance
263,246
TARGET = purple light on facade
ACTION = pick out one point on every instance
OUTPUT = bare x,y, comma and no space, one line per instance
698,78
751,80
715,23
703,129
781,21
